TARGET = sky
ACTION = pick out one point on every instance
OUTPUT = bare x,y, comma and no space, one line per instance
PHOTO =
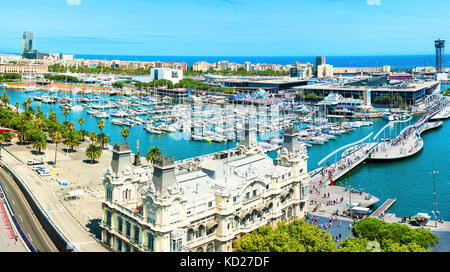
227,27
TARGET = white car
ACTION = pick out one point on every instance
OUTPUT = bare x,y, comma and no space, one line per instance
32,162
43,172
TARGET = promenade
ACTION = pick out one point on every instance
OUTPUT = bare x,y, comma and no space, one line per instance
77,219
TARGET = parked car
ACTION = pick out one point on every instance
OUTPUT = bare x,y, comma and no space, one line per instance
35,168
43,172
33,162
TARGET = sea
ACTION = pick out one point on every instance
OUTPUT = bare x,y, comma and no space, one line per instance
395,61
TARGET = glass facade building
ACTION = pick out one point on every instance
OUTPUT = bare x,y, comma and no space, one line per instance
27,42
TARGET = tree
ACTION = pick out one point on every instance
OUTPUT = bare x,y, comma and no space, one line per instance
66,112
23,120
81,122
84,134
125,134
25,105
93,152
101,125
296,236
5,137
5,98
118,84
103,140
72,136
93,137
153,154
40,141
352,244
56,138
394,236
17,106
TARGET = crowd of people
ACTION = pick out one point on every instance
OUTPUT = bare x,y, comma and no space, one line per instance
327,225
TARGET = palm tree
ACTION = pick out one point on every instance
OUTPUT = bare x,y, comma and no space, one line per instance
125,134
17,106
38,123
93,137
103,139
71,140
153,154
5,137
81,122
25,105
93,152
52,116
40,142
56,138
101,125
5,98
23,120
66,112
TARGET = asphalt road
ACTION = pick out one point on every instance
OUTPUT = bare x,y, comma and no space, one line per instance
25,215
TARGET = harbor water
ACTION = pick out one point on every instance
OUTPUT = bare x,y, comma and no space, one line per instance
409,181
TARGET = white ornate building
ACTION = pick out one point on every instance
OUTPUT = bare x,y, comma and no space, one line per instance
166,209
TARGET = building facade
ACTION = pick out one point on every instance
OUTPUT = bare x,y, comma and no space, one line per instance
166,209
23,68
352,71
174,75
325,71
27,42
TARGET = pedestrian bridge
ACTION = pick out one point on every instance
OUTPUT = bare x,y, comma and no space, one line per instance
384,207
406,144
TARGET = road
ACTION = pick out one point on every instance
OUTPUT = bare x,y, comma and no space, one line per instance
25,215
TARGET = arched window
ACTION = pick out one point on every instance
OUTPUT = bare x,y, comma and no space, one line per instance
258,216
250,218
289,213
235,222
283,215
200,231
108,192
200,249
189,235
209,248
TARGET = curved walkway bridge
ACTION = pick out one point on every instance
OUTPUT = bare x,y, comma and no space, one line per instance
406,144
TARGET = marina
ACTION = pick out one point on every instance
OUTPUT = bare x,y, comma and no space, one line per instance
317,133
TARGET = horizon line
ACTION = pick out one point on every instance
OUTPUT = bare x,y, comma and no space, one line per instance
252,56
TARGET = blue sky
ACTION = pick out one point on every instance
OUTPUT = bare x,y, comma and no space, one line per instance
227,27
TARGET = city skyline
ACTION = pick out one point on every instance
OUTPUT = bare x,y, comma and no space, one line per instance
228,27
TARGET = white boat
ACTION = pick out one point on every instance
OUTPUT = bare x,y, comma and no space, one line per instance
119,114
196,137
31,89
93,112
388,116
77,108
153,131
117,122
47,99
102,115
167,128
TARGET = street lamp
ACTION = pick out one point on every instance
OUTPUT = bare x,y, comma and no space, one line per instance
434,185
